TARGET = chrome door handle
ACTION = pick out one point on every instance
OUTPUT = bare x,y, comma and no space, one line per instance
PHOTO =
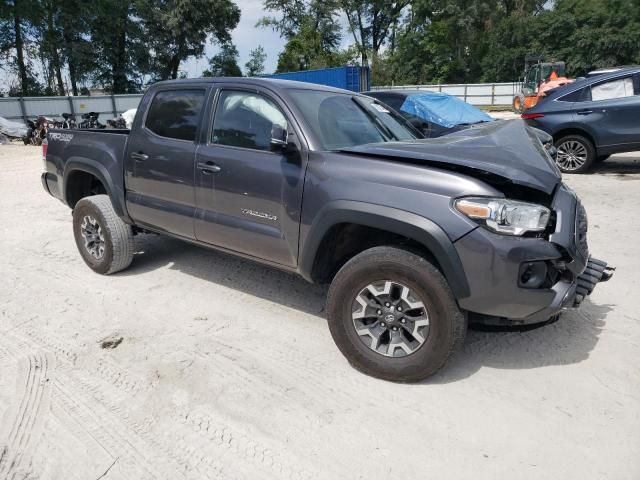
584,112
139,157
208,167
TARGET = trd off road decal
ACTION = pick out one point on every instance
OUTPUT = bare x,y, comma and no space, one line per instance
61,137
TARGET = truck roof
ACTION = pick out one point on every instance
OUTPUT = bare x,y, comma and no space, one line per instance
258,81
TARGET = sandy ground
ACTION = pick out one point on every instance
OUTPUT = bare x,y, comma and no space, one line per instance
226,369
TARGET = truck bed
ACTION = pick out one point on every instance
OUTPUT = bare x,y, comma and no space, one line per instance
101,150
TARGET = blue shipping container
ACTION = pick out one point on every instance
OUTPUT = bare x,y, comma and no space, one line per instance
356,79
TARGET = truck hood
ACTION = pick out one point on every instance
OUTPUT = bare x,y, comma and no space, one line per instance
509,149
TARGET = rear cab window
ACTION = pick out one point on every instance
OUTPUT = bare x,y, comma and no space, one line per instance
176,113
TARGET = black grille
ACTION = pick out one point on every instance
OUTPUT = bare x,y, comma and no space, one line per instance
582,226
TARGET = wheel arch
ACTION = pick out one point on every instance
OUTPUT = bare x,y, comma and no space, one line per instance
575,131
422,232
97,171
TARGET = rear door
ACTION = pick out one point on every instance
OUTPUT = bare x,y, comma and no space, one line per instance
159,162
248,194
616,104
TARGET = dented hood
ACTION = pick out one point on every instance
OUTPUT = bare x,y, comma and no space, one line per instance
508,149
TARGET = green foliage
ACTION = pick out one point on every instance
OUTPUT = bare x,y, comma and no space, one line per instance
225,63
178,29
595,33
123,44
486,40
371,23
311,29
18,20
255,65
119,45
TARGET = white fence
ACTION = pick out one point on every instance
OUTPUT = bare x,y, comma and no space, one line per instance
473,93
113,105
53,107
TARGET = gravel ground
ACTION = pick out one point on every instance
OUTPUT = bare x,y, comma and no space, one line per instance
193,364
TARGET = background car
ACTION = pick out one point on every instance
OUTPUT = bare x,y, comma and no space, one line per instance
432,113
592,118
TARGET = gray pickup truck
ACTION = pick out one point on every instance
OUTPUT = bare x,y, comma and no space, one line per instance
416,237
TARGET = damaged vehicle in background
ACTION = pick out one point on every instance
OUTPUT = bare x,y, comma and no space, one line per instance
436,113
415,237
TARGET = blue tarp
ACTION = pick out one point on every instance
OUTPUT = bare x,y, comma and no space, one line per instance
443,109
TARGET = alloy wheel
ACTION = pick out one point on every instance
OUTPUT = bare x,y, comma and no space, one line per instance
94,241
390,318
571,155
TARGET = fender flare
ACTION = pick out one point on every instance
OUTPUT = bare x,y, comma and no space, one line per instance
99,171
400,222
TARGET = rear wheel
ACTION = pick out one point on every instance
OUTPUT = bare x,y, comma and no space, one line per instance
392,314
518,103
103,239
575,154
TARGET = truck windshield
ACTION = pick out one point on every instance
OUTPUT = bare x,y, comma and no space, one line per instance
341,120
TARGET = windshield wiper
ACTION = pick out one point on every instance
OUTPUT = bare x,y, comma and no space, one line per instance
382,128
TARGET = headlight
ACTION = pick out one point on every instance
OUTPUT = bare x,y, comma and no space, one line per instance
504,216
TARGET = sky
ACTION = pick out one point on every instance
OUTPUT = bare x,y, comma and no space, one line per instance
245,37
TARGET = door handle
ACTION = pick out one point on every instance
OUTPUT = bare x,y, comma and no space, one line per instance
208,167
584,112
139,157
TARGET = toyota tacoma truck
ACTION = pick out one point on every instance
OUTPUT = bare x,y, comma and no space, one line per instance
416,237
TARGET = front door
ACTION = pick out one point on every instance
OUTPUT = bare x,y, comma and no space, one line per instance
249,194
159,162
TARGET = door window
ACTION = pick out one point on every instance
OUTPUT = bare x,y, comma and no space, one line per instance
618,88
582,95
175,113
245,119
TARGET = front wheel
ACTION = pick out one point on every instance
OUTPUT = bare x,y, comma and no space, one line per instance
575,154
393,315
103,239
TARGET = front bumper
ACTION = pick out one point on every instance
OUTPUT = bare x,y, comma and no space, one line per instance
493,267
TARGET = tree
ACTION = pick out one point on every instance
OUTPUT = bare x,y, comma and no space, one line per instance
119,44
77,50
371,23
311,29
255,65
595,33
225,63
17,18
178,29
49,45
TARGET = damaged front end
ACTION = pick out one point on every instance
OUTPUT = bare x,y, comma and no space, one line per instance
571,235
552,272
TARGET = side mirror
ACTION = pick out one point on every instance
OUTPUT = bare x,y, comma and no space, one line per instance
279,138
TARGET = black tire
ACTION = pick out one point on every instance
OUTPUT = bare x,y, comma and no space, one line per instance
118,236
602,158
447,324
588,148
518,104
